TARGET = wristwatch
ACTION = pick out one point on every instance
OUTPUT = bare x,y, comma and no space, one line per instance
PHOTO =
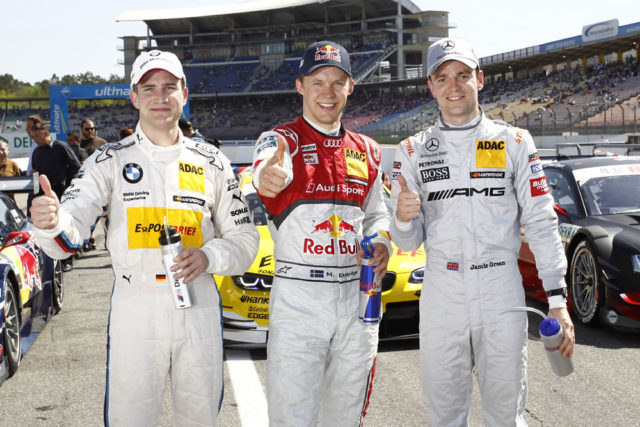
560,291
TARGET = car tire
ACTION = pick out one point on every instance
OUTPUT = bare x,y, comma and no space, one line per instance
57,286
585,284
12,340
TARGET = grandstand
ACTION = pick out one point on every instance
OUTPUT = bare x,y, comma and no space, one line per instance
241,61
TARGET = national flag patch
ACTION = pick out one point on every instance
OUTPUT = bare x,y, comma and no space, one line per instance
453,266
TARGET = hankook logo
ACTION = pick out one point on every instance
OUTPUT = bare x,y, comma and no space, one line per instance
432,144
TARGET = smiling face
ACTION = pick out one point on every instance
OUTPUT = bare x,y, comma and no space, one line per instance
324,95
455,86
159,97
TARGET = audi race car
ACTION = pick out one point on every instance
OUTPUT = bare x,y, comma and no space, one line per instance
597,200
31,283
245,298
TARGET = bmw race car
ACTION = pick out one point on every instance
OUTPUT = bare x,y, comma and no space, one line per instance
245,298
31,284
597,200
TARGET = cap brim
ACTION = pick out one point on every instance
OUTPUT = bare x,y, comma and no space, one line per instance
137,80
315,67
468,62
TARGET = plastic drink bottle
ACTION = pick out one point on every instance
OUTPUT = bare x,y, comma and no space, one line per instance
370,286
552,334
171,246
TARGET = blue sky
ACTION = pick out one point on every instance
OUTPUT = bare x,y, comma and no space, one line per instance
71,36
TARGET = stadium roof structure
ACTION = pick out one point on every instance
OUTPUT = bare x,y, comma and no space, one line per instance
259,13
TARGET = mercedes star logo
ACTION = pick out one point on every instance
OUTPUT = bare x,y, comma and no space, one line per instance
449,44
432,144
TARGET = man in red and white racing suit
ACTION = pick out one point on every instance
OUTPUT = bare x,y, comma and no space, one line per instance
464,187
138,182
320,356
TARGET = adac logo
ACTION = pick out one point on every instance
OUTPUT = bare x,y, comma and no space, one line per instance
335,226
327,52
132,173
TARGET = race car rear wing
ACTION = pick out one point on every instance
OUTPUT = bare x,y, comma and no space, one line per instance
593,149
17,184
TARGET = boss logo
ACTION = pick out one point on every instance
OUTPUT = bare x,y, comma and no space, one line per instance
435,174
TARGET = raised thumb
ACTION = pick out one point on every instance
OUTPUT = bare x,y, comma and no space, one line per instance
45,186
278,156
403,184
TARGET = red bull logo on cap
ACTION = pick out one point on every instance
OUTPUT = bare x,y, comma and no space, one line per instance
335,226
327,52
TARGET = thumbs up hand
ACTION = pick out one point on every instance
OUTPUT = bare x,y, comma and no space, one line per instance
408,203
273,175
44,209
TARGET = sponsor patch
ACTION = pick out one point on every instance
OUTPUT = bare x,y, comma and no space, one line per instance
491,154
308,147
536,167
132,173
534,156
145,223
191,177
356,164
538,186
487,174
407,144
519,135
352,180
435,174
189,200
432,144
332,143
266,142
310,158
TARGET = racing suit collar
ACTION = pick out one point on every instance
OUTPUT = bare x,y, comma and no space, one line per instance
472,124
339,132
157,152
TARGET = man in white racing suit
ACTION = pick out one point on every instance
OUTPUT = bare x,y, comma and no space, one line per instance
464,186
322,189
154,174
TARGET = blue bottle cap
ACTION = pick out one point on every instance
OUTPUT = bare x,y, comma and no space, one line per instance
549,327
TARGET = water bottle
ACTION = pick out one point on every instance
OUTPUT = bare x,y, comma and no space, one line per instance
171,246
552,334
370,287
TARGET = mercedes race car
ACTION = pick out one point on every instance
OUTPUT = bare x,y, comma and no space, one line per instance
31,284
597,200
245,298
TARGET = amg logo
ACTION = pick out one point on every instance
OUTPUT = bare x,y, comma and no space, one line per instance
465,192
435,174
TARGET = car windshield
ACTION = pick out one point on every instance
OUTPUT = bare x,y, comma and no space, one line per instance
609,195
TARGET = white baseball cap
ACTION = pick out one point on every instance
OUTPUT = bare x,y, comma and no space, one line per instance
450,49
156,60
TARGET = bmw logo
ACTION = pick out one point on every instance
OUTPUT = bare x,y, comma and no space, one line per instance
132,173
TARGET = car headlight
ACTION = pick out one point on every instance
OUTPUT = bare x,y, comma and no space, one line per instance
635,263
253,282
417,276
